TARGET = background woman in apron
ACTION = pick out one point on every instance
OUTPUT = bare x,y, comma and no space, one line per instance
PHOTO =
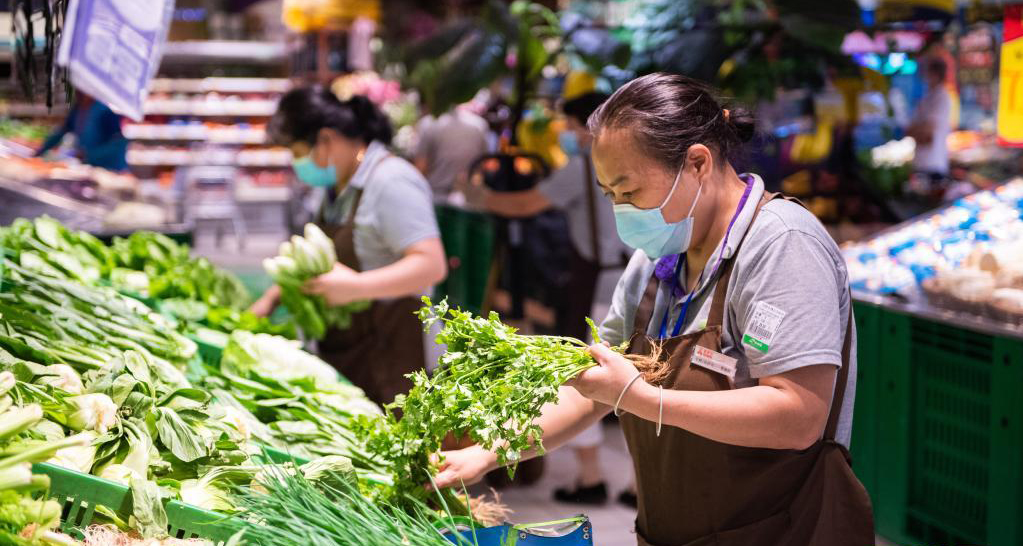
740,434
379,212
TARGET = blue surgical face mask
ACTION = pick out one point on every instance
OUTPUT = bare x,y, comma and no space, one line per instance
647,230
569,143
312,174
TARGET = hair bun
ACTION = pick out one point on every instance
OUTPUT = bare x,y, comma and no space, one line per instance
743,123
374,123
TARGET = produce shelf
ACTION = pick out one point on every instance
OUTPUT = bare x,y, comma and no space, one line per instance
938,426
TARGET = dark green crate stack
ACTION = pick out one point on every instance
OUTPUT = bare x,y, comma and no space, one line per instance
938,434
469,244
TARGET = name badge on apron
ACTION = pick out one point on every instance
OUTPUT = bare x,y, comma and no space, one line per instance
714,361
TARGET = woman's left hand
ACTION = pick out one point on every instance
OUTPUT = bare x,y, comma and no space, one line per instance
604,383
338,286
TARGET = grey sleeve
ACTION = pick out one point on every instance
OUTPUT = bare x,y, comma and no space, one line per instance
565,187
617,326
796,280
405,213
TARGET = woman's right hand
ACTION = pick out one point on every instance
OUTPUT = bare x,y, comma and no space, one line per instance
265,305
464,466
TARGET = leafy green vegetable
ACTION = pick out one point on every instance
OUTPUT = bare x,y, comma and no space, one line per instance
27,518
292,511
173,273
491,384
299,260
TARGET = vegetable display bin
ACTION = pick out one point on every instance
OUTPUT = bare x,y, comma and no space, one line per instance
79,495
575,531
209,352
947,428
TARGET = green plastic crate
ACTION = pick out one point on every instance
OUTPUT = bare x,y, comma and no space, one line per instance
80,494
864,434
949,448
468,239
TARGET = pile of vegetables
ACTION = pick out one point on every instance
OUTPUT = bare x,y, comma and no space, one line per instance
50,320
290,399
299,260
145,264
296,512
105,366
491,385
173,273
27,518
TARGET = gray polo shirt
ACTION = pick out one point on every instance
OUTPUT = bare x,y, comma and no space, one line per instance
451,143
788,298
566,189
396,210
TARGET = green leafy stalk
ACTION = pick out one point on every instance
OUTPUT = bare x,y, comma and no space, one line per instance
491,385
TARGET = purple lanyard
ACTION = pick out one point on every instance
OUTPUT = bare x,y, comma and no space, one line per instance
680,260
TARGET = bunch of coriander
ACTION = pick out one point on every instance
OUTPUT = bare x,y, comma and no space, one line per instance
491,385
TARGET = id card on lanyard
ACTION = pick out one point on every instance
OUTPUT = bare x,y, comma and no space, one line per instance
680,262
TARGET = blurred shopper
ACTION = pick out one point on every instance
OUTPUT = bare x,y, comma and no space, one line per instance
379,213
596,248
447,147
932,123
97,131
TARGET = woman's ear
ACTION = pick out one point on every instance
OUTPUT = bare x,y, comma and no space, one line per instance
700,159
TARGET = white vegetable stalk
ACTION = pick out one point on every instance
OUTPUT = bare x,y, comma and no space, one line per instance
78,457
119,473
63,377
19,475
92,412
18,419
238,421
7,382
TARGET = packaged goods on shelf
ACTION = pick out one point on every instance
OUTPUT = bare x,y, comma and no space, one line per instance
967,256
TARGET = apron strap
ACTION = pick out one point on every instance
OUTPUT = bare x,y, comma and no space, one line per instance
591,202
717,305
350,221
645,311
841,381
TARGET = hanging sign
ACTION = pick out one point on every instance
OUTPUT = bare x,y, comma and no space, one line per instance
112,49
1010,83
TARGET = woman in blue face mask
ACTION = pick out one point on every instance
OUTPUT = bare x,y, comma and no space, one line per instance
736,391
379,212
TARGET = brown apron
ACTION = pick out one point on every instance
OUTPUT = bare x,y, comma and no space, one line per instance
693,491
384,342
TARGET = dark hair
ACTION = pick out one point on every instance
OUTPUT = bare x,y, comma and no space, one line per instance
302,112
936,66
669,113
583,106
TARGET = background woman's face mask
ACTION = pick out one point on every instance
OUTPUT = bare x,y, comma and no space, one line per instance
647,230
311,174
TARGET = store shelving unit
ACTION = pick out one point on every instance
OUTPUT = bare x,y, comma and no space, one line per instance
199,119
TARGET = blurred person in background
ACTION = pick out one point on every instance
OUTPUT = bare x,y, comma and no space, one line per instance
932,123
447,147
596,248
97,131
380,215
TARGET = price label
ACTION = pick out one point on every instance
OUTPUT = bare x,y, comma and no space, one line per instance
1010,85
